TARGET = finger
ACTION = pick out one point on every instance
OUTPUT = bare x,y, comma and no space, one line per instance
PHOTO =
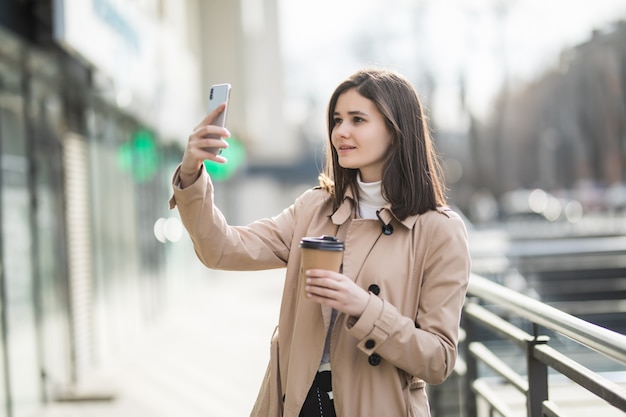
210,155
208,119
324,287
216,158
211,131
200,150
322,273
320,293
211,143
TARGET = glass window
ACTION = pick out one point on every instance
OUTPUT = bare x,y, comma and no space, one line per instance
17,255
51,273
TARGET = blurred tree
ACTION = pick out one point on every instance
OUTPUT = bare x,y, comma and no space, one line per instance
565,129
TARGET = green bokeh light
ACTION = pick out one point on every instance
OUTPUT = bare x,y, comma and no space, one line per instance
139,156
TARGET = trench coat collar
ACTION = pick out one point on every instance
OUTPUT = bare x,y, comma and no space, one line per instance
346,210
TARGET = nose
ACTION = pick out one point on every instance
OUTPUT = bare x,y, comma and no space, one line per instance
342,130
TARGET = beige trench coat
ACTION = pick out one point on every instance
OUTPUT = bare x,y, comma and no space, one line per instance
407,336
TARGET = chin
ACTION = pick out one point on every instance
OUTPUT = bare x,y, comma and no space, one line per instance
348,165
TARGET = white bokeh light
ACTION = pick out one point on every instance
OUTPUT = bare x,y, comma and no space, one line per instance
158,230
173,229
170,229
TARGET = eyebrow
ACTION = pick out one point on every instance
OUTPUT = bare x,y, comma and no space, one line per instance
352,113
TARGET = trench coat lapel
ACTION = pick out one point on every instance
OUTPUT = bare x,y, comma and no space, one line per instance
355,251
369,233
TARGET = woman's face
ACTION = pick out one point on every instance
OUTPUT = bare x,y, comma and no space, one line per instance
360,135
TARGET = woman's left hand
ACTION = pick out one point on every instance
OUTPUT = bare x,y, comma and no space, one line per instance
336,290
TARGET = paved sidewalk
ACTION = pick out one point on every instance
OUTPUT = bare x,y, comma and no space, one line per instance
206,358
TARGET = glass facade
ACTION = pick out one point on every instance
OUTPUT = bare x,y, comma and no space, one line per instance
16,240
127,257
51,294
81,272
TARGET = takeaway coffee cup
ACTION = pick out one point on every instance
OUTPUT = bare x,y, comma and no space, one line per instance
324,252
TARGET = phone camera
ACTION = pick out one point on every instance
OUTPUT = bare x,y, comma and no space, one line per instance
211,95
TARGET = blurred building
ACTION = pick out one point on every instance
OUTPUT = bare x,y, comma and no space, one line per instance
564,133
97,98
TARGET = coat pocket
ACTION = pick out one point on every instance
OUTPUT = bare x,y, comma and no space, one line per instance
269,402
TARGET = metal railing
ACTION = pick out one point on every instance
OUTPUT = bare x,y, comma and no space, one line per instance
541,358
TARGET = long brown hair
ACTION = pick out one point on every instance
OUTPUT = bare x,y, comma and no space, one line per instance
412,179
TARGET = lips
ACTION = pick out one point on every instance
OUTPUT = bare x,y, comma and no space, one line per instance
345,147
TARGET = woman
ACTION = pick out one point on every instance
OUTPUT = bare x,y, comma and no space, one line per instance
365,341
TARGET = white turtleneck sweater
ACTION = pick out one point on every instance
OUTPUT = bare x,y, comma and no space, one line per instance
370,198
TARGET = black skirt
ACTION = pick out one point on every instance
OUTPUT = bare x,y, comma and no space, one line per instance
319,400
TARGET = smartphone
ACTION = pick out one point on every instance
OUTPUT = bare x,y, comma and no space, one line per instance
219,93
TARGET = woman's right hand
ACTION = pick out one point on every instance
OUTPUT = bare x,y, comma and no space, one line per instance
196,153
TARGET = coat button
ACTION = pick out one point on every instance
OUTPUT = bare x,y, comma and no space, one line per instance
370,343
387,229
374,289
374,359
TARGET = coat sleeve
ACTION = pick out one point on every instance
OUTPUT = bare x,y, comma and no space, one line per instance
264,244
425,346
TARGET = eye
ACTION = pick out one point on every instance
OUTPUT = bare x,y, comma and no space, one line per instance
358,119
337,121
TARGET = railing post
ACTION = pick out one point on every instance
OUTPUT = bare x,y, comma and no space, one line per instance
471,374
537,377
